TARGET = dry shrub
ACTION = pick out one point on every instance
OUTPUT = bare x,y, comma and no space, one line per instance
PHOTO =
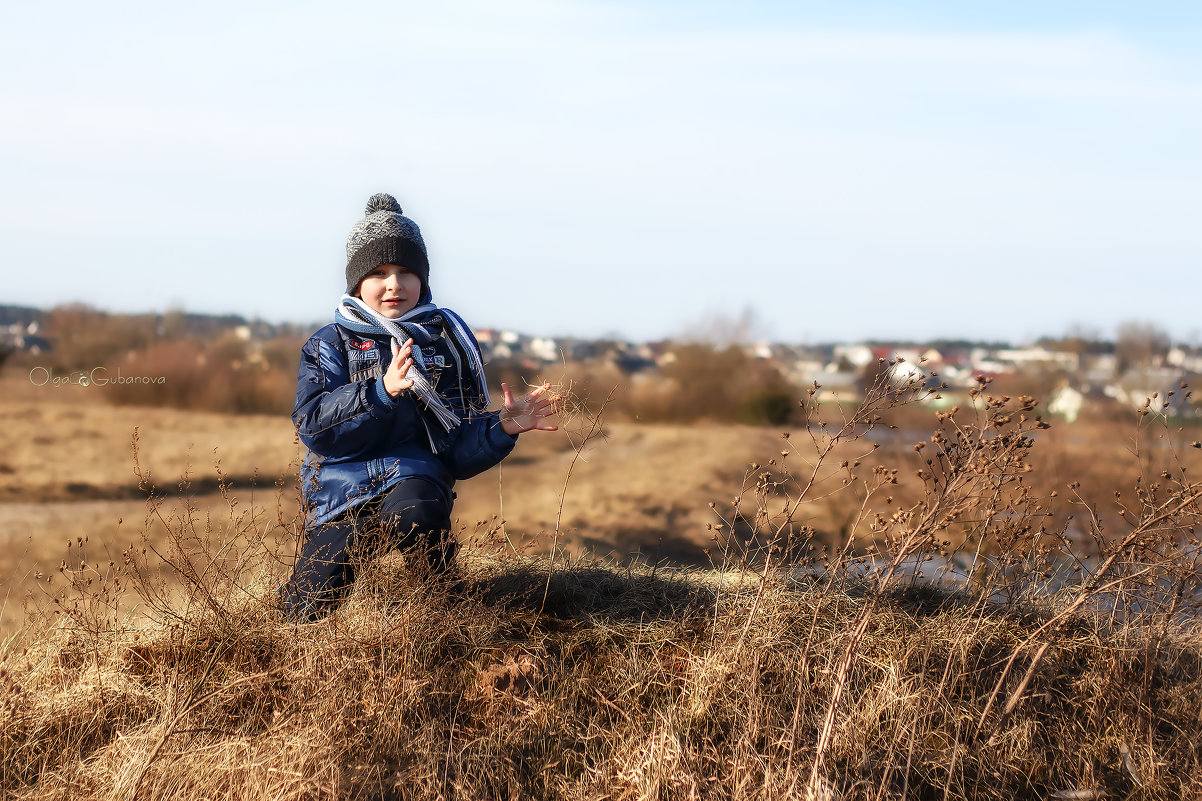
188,374
724,384
699,382
85,338
148,360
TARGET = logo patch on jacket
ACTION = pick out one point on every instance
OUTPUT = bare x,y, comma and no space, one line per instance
431,358
363,344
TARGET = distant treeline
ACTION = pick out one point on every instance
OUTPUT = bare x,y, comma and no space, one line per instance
228,364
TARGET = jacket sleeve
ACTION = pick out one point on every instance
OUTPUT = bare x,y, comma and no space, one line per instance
476,445
336,417
479,442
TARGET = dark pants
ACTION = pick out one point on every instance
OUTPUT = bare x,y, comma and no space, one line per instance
414,516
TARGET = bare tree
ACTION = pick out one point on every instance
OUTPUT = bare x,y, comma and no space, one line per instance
1141,343
721,330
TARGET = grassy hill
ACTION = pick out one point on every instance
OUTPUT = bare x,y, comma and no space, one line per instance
582,680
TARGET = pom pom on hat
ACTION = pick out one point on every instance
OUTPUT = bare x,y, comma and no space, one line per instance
382,201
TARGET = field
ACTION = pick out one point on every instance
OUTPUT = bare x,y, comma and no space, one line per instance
69,472
628,628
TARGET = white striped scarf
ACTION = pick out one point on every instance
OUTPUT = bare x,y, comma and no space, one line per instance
354,314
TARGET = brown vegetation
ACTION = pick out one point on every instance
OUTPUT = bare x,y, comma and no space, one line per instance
163,361
585,681
695,383
153,360
809,660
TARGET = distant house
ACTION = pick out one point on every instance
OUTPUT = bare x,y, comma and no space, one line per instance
32,344
804,371
1066,402
1039,358
838,385
908,355
760,350
23,336
1185,359
906,370
1159,385
543,348
937,395
856,355
630,362
1100,369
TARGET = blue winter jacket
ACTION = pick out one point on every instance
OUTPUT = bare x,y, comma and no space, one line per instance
362,442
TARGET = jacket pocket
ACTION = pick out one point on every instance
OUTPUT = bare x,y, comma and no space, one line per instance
362,369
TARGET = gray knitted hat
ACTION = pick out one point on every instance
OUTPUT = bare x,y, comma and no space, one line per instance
383,236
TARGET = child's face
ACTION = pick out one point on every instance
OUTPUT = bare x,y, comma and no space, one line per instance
391,290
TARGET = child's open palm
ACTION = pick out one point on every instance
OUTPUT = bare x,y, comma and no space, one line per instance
528,413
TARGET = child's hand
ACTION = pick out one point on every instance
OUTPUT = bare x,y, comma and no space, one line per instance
396,378
528,413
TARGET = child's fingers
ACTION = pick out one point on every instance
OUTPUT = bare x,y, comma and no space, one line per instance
401,354
534,399
506,395
551,404
401,369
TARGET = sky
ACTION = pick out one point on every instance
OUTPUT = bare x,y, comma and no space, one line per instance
834,171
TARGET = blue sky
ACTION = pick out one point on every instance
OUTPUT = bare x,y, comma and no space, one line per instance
844,170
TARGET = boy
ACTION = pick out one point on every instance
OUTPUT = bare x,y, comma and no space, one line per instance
391,403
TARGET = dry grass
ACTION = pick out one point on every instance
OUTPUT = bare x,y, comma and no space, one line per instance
66,460
68,443
791,670
589,681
